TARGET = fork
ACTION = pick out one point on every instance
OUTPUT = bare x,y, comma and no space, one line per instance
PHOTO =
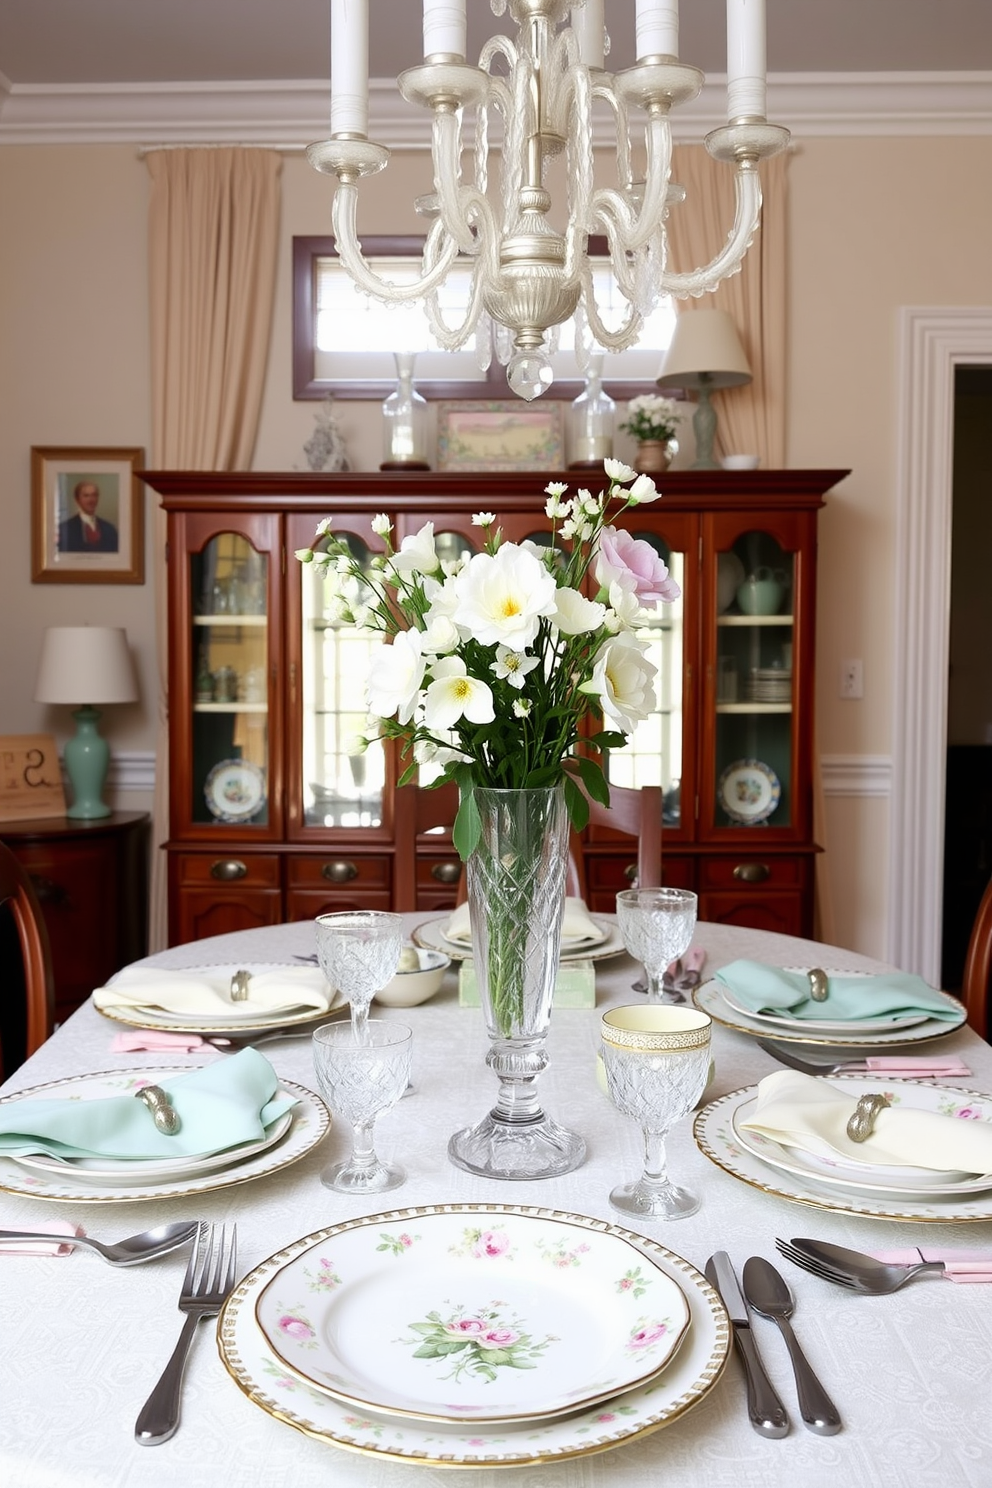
876,1279
809,1066
210,1276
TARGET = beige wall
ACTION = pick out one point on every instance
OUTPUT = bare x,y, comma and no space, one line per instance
875,224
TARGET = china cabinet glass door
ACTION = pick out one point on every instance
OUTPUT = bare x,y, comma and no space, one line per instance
751,674
343,782
229,667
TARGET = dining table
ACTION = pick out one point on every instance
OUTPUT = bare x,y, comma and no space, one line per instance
83,1343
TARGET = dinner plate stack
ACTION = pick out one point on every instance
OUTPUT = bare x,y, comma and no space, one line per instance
475,1334
835,1183
769,685
903,1028
106,1180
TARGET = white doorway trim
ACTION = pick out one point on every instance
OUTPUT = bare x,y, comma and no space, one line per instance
932,343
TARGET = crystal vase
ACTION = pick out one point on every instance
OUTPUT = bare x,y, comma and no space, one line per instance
516,896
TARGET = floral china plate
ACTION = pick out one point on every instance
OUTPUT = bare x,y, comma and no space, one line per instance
783,1019
717,1137
310,1122
237,1021
430,934
689,1377
464,1316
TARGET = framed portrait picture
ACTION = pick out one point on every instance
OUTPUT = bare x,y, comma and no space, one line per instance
499,436
87,516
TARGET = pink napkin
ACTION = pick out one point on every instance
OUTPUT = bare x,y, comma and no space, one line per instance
41,1247
960,1267
692,961
923,1067
156,1040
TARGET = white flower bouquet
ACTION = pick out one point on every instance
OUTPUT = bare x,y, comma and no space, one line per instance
652,417
489,665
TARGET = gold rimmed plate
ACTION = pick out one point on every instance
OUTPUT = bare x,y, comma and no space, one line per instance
688,1378
430,934
709,998
717,1138
239,1020
310,1123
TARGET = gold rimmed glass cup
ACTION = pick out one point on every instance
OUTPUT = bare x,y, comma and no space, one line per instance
657,1060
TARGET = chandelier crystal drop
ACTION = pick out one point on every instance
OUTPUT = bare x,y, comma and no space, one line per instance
541,87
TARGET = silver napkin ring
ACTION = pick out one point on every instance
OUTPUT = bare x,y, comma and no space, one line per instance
819,986
165,1118
862,1123
239,986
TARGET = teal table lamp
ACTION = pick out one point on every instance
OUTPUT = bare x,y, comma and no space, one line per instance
85,665
705,354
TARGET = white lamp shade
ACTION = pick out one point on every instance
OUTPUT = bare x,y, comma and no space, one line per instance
705,346
85,664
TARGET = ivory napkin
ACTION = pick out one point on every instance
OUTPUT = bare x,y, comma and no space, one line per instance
220,1105
577,926
960,1265
810,1113
768,989
199,994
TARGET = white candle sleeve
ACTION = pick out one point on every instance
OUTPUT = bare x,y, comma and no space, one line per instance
657,28
350,67
746,91
587,24
444,27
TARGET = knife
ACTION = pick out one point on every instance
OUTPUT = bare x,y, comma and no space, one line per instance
765,1411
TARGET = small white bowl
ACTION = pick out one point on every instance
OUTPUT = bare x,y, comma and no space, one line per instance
408,988
741,462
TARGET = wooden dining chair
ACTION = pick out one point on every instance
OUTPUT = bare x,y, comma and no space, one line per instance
417,812
30,1021
636,812
975,984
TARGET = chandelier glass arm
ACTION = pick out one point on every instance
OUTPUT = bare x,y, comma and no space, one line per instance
344,219
728,261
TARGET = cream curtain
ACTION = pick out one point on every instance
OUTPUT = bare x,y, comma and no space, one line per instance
751,419
213,241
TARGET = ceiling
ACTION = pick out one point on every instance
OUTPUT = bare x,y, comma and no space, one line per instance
80,42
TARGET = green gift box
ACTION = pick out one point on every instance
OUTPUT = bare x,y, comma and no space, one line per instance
575,985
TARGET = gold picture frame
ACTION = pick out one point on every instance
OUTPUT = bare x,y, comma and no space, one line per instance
473,435
87,516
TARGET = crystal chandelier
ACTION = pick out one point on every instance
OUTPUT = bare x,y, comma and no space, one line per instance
528,275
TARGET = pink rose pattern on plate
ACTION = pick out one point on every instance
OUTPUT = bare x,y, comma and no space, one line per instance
478,1342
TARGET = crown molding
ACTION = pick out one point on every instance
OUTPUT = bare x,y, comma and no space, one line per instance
290,115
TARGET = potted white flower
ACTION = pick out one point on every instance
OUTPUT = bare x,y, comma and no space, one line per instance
653,421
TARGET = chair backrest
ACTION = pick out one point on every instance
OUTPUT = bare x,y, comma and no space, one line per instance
978,968
637,813
418,811
17,892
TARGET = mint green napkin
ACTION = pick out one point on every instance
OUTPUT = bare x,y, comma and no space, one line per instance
221,1105
768,989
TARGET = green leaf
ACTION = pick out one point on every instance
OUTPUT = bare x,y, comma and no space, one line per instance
427,1351
594,781
408,774
576,803
497,1356
467,829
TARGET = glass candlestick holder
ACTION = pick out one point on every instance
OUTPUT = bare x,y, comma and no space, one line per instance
404,421
591,420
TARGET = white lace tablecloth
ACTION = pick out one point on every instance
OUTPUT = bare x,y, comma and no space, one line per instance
83,1344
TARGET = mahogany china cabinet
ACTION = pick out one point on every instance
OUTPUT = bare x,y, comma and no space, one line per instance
275,814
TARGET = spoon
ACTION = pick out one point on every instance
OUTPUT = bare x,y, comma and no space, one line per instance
130,1252
769,1295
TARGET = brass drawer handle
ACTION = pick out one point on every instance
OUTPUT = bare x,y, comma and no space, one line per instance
229,869
47,890
752,872
630,872
340,871
446,873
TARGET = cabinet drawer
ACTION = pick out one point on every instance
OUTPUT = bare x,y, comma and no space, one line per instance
344,870
783,913
611,874
307,904
752,871
258,870
439,873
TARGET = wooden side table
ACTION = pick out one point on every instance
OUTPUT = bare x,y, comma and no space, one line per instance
92,880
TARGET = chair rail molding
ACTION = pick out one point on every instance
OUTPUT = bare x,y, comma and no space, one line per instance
933,341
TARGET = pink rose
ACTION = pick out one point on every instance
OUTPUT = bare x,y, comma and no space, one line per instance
470,1327
296,1327
497,1338
634,565
491,1243
645,1337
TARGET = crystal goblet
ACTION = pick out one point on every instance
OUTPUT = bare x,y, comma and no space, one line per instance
359,951
657,1063
362,1076
656,926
